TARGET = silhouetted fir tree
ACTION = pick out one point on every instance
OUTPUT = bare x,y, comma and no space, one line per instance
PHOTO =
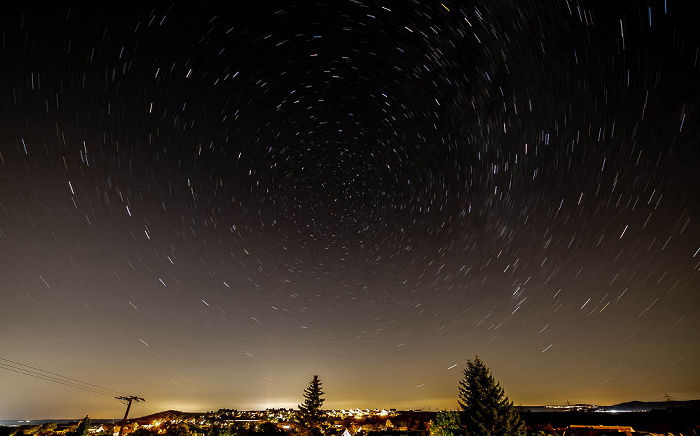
82,429
310,413
486,410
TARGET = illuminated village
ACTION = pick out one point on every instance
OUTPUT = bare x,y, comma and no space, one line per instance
350,422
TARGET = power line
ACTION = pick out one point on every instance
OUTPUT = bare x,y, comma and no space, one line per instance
47,378
62,376
42,374
32,371
157,409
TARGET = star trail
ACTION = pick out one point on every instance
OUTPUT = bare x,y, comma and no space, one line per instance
205,203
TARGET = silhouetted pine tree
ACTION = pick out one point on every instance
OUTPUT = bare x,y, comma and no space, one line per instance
310,412
486,410
82,429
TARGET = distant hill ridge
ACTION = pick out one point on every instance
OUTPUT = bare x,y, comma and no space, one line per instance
628,405
655,405
168,415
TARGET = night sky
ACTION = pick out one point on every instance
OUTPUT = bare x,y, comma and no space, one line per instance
205,204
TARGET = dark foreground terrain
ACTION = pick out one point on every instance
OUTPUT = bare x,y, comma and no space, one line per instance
685,421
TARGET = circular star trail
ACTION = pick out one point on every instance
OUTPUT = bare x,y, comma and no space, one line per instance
204,204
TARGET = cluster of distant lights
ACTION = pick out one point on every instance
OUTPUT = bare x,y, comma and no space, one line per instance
342,412
359,412
594,408
622,411
356,413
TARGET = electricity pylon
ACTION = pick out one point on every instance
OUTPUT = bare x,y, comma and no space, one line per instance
128,406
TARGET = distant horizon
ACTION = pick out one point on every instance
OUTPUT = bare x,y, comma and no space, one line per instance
424,409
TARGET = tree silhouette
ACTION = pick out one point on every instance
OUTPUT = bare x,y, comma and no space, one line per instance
310,413
82,429
486,410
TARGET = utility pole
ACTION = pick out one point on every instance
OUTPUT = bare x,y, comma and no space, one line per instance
128,406
669,401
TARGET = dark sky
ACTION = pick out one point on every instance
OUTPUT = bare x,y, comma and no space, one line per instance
206,203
